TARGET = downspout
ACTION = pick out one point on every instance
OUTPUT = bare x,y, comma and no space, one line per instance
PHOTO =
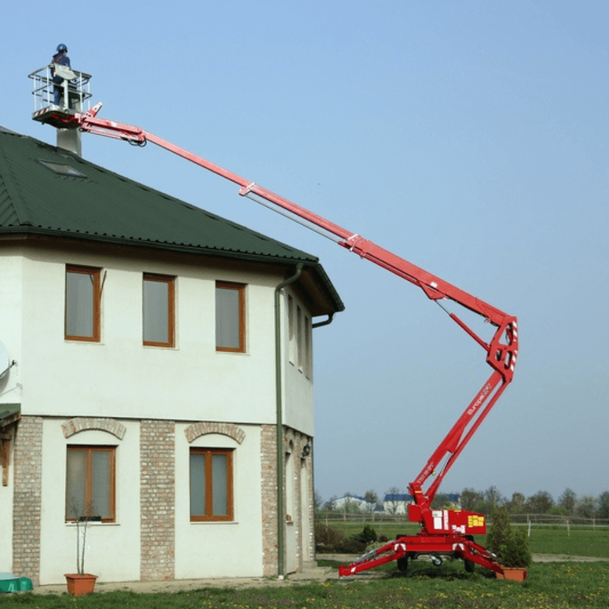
279,406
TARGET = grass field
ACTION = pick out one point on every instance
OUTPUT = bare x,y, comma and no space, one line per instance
560,585
550,586
582,541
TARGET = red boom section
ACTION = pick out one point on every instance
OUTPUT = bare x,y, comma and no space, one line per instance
443,532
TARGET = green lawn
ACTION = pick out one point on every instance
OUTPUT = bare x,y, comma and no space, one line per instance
549,586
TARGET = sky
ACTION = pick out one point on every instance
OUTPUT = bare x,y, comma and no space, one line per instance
469,137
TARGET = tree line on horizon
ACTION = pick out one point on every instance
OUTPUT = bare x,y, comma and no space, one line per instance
483,502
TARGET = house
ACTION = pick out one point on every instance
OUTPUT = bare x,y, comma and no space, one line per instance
352,503
396,503
139,383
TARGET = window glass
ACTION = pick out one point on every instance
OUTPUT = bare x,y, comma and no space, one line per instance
308,350
230,331
76,488
90,482
82,303
220,485
100,483
211,484
291,331
300,346
197,484
158,307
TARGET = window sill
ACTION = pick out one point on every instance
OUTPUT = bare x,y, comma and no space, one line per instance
213,522
94,524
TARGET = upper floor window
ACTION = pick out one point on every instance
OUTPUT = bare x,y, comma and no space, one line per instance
300,351
82,308
159,310
90,488
230,317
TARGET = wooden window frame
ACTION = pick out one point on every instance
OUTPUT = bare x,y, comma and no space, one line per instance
240,288
170,281
209,515
95,273
90,449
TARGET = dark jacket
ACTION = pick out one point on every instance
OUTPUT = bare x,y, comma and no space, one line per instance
62,59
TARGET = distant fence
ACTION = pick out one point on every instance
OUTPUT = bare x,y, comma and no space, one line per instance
543,520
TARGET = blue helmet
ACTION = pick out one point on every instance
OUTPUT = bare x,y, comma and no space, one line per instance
62,48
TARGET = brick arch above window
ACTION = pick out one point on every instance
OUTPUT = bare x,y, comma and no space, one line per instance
197,430
74,426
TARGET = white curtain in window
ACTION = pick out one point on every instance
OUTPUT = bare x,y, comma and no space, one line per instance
197,484
156,311
79,304
227,318
220,484
76,477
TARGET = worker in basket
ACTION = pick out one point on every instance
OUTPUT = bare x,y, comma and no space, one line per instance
61,70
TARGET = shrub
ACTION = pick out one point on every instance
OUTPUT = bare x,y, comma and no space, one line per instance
367,535
510,545
330,539
327,538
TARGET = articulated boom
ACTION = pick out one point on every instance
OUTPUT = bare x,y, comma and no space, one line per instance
444,533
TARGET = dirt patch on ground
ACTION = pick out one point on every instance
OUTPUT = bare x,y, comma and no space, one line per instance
566,558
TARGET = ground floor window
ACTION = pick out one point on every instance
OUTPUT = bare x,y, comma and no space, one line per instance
90,483
211,484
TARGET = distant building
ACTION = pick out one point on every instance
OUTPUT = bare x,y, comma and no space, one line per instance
353,502
395,503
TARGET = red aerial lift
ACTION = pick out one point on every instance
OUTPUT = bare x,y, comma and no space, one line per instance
443,533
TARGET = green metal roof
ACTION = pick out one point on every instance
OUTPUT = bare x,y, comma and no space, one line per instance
47,190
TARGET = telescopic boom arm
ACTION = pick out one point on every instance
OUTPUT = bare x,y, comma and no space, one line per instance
440,534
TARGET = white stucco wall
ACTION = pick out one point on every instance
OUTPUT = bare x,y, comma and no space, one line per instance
112,549
119,376
221,549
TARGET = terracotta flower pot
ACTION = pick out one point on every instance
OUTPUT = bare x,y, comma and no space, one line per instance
515,574
80,585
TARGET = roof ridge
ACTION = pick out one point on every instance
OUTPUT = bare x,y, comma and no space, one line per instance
6,175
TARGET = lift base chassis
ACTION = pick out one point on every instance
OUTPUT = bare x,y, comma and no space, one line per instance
439,547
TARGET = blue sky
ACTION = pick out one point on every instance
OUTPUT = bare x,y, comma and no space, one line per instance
469,137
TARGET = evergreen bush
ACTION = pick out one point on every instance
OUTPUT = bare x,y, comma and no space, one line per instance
510,545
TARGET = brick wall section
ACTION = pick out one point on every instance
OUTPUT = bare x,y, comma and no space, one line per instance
157,488
268,464
112,426
27,498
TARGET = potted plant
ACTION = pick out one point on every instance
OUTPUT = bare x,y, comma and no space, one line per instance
81,583
511,546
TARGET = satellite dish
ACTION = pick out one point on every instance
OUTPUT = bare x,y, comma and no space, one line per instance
5,363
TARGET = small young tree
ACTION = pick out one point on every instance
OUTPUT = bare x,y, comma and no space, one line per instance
510,545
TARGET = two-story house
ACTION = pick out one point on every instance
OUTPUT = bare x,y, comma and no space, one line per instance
156,376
